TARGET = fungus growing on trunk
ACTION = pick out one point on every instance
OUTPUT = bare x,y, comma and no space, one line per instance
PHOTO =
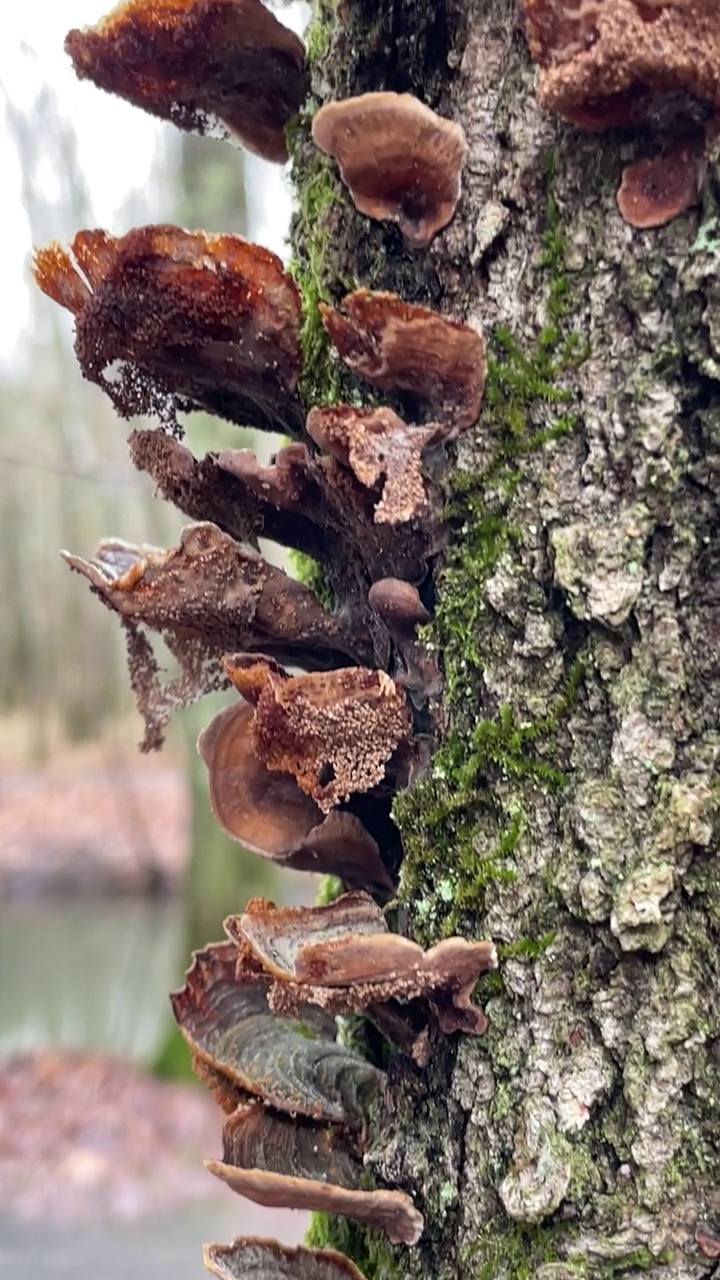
342,958
268,813
616,62
654,191
390,1211
248,1258
376,443
203,64
230,1029
202,597
335,732
322,494
400,161
398,346
219,591
169,320
400,608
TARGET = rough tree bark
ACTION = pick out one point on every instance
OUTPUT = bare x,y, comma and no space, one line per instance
571,810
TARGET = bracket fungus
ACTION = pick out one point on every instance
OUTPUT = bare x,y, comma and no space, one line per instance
169,320
654,191
616,62
206,65
268,813
398,346
257,1138
330,515
210,592
248,1258
343,958
400,160
335,732
297,1104
376,443
230,1028
390,1211
400,608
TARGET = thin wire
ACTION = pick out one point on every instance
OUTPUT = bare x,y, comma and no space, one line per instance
106,478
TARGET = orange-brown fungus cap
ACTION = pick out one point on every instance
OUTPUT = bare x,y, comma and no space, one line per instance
376,443
655,191
333,731
203,64
401,162
229,1026
390,1211
401,347
342,958
399,605
613,62
268,813
248,1258
188,319
219,591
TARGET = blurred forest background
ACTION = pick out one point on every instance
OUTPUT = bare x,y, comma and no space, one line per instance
111,866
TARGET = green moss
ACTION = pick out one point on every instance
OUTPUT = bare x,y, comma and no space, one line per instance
369,1250
446,818
312,574
526,948
515,1251
454,823
318,193
329,889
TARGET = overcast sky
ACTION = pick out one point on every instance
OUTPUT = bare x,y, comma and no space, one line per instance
116,144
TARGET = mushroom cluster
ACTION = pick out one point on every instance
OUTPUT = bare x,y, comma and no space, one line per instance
303,768
613,63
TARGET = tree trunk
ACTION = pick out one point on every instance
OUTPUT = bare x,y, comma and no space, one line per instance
570,810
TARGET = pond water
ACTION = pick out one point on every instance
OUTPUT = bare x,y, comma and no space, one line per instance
89,975
167,1248
96,975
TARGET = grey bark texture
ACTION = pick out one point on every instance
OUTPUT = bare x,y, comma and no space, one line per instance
571,813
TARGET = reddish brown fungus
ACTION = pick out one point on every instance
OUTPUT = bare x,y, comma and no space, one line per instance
401,162
334,733
167,320
655,191
399,606
707,1238
268,813
342,958
229,1027
256,1138
376,443
202,64
390,1211
331,515
401,347
216,591
248,1258
610,62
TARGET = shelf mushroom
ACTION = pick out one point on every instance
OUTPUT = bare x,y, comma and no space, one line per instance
400,160
167,319
399,346
203,64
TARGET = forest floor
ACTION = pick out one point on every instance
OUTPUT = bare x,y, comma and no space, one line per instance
85,1137
93,820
